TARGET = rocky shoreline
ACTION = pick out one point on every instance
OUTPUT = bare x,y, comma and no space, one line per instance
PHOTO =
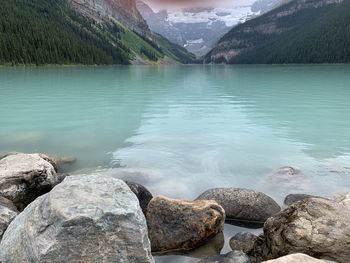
49,216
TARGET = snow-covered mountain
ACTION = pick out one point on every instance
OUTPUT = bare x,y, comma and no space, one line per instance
199,28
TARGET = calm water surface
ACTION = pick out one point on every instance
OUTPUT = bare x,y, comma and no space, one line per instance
180,130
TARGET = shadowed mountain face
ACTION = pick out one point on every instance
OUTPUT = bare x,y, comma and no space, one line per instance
300,31
124,11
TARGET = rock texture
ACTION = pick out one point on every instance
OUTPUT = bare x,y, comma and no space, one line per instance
123,11
23,177
8,212
296,258
243,204
84,219
244,242
177,225
316,226
232,257
293,198
141,193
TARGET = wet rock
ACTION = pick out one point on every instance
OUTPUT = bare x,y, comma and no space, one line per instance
8,212
232,257
315,226
243,205
141,193
84,219
23,177
244,242
296,258
178,225
293,198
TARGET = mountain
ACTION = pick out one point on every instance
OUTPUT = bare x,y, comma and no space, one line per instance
197,29
80,32
264,6
300,31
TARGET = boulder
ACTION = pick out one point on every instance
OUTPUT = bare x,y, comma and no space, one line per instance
244,241
242,204
315,226
8,212
178,225
232,257
296,258
24,177
293,198
141,193
84,219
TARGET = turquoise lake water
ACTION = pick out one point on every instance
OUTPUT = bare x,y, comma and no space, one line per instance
180,130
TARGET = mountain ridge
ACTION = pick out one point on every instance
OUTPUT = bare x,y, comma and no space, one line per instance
66,32
300,31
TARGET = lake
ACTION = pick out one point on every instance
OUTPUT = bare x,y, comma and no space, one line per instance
181,130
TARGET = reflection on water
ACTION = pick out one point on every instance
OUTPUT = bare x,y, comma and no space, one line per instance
180,130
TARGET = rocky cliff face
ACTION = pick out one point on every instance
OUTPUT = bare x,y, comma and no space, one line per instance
254,34
123,11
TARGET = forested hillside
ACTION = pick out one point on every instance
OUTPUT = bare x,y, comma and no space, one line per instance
311,31
51,32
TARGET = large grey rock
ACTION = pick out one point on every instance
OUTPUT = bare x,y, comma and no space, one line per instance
24,177
142,194
316,226
296,258
242,204
84,219
231,257
178,225
8,212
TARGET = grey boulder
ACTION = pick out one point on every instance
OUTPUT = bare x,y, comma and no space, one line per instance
231,257
315,226
243,205
244,241
24,177
8,212
84,219
296,258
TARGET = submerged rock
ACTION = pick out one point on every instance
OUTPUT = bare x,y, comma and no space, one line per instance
8,212
293,198
143,195
296,258
244,242
231,257
178,225
242,204
315,226
24,177
84,219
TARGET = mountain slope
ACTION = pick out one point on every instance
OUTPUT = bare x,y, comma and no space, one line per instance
67,32
301,31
